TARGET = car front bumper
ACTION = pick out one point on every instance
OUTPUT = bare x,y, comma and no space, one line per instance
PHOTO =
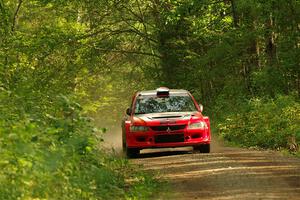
152,139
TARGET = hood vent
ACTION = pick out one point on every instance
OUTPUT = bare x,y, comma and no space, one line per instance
166,116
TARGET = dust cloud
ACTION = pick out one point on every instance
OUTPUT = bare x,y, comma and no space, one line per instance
113,139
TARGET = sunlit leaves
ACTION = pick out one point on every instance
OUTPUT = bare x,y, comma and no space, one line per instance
268,124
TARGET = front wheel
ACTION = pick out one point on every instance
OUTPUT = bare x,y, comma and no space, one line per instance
203,148
132,152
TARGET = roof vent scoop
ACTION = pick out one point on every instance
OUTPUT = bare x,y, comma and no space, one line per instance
162,91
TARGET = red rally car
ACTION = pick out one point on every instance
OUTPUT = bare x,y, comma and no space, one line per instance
165,118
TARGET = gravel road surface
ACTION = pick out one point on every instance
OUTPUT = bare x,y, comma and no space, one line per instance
225,173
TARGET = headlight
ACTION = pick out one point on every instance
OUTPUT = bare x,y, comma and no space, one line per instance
138,128
198,125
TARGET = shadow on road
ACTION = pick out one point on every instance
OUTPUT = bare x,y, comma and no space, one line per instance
163,153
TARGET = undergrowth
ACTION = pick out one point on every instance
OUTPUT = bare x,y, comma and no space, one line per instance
56,155
265,123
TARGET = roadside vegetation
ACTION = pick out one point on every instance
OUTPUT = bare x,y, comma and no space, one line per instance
264,123
68,70
56,155
53,74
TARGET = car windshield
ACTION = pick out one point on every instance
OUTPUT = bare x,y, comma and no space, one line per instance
172,103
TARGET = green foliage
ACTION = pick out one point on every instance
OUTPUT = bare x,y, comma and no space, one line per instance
58,67
66,66
58,157
269,123
229,53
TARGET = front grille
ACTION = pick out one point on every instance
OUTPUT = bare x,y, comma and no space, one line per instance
169,138
166,128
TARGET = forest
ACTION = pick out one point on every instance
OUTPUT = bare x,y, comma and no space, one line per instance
68,70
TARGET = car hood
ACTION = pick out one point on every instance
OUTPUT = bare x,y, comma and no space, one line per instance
166,118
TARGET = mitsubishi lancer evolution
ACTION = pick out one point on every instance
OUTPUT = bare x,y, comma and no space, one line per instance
165,118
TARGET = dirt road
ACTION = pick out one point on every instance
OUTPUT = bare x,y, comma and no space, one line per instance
226,173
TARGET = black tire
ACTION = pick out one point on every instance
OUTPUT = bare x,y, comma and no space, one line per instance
132,152
124,146
196,148
203,148
129,152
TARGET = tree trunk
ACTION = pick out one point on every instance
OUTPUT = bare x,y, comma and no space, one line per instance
270,41
16,15
234,14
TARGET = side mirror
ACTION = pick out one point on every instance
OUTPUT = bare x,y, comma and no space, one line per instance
128,111
201,107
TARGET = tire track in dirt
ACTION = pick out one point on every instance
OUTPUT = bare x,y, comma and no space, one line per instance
226,173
